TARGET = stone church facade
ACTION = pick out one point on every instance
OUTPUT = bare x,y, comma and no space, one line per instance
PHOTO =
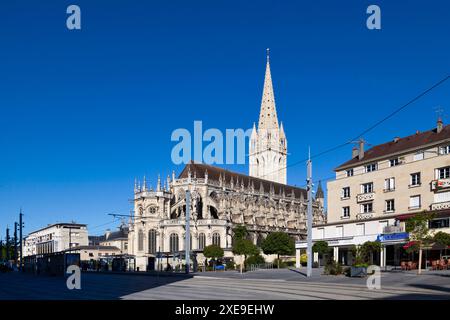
221,199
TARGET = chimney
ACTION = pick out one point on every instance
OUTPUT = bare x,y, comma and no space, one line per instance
107,234
440,125
361,149
397,138
354,152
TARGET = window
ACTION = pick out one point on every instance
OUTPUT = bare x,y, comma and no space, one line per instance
349,173
339,231
173,243
360,229
371,167
389,184
439,223
414,202
415,179
444,150
201,241
394,162
418,156
152,241
140,240
346,212
346,192
367,207
367,187
216,239
390,205
153,210
442,197
443,173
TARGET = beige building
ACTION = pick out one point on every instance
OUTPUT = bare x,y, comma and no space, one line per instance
118,239
378,189
405,175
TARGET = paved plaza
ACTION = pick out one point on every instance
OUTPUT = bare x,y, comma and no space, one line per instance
282,284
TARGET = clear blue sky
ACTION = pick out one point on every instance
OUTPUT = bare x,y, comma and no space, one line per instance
84,112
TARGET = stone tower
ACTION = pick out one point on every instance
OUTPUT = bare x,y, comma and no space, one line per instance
268,144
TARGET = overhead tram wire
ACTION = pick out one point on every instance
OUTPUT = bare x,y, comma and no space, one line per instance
423,93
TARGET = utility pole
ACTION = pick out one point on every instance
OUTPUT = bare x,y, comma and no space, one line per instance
309,216
188,231
21,238
7,244
15,242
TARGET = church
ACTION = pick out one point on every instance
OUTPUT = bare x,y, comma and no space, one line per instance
222,199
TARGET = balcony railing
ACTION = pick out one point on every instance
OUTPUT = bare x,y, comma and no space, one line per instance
440,205
440,184
364,215
365,197
393,229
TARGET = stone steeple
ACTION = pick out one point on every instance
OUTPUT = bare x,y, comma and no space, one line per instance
268,114
268,143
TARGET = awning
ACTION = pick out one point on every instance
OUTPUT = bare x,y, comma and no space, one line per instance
409,244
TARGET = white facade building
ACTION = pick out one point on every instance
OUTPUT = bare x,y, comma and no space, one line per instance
55,238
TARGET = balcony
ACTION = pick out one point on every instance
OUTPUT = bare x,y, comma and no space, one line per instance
440,205
364,215
213,222
365,197
393,229
440,184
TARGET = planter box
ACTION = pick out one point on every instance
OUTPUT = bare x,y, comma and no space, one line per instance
358,271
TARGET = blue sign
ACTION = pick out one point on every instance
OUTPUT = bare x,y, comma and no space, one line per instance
393,236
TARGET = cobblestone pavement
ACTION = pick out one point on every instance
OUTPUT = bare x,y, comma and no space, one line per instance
264,284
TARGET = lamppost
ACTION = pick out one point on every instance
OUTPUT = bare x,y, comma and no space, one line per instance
309,217
187,236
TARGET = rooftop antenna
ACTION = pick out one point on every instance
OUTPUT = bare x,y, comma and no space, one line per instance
439,112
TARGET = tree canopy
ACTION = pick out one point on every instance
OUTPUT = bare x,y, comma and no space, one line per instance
321,247
278,243
442,238
213,251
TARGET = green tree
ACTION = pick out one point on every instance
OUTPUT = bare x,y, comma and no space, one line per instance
442,238
240,232
213,251
278,243
417,227
321,247
369,248
244,247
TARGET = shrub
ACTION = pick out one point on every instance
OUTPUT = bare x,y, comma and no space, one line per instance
280,263
255,259
333,268
230,265
290,263
304,259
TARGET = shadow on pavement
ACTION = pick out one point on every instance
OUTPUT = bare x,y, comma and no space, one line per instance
19,286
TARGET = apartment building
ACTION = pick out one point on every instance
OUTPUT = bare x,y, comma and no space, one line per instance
55,238
377,189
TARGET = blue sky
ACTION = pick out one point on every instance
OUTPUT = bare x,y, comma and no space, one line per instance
84,112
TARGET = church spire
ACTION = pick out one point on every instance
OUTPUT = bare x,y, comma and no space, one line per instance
268,114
